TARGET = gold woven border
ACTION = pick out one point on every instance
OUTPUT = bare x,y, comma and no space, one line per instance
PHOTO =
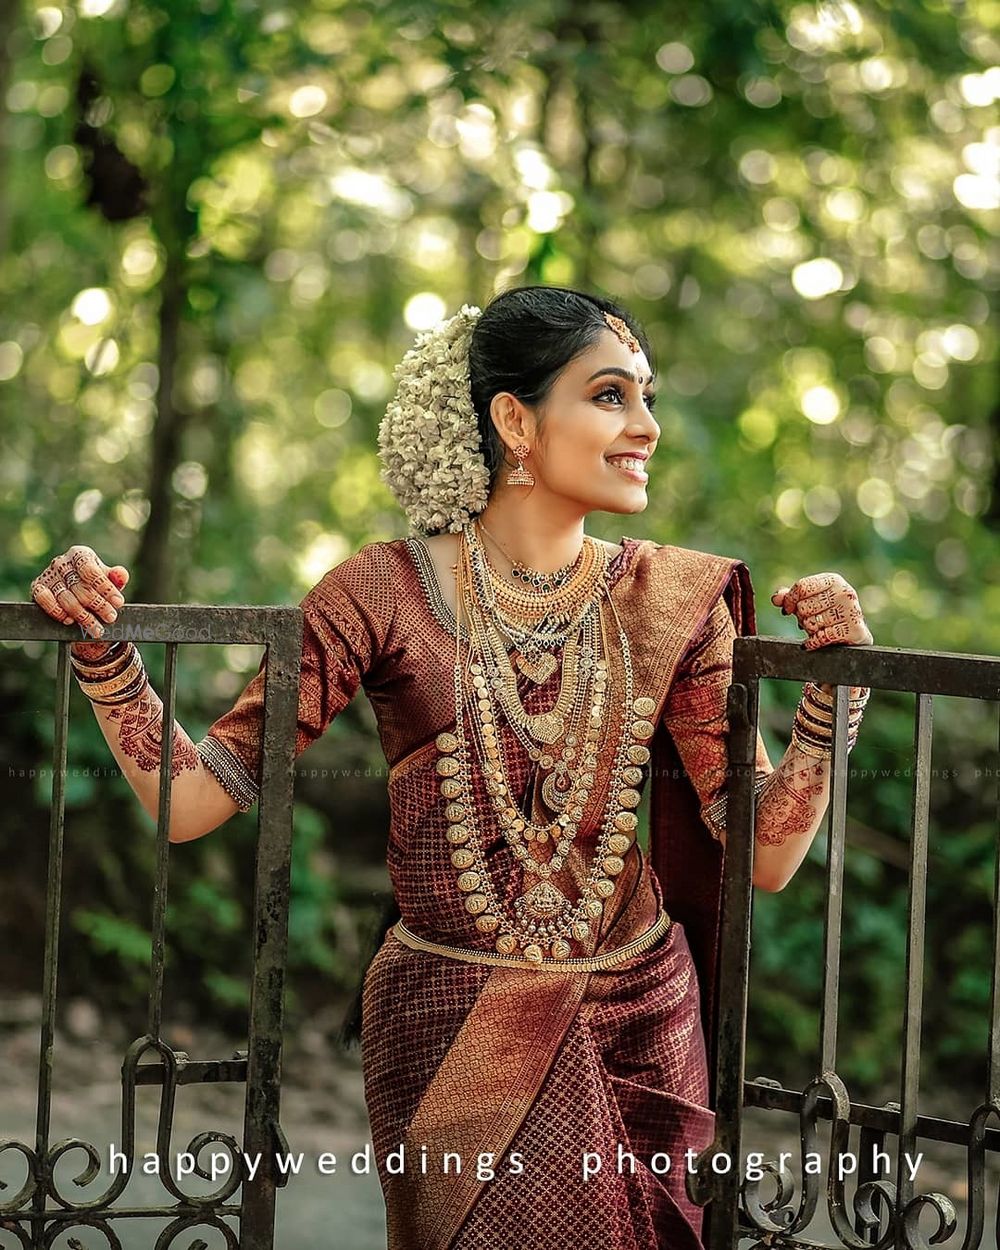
592,963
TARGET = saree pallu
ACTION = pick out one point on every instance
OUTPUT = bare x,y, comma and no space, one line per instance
559,1072
490,1063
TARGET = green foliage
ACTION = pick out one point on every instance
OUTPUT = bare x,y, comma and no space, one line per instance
124,944
220,227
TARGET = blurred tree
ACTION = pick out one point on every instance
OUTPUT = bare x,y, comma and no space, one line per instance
226,223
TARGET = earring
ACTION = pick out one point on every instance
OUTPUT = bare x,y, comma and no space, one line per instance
521,476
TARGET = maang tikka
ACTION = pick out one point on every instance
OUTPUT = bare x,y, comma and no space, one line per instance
520,476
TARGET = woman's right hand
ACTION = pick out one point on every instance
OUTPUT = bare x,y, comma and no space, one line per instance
77,587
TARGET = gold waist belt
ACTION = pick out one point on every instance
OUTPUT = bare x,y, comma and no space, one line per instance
590,963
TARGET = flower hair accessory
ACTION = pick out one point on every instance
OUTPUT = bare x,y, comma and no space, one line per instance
428,440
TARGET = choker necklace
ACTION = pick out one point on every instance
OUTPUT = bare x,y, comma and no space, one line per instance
535,578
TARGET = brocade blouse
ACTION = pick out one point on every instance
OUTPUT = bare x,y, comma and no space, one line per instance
378,621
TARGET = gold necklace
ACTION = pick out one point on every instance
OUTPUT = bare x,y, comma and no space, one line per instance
499,622
535,578
544,918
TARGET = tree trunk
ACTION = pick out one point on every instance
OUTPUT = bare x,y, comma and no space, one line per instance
153,570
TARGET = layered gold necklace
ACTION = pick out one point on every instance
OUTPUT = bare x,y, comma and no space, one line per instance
569,611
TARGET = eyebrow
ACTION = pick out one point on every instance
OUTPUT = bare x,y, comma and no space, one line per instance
619,373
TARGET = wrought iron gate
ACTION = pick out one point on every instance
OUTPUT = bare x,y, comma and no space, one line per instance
884,1211
37,1214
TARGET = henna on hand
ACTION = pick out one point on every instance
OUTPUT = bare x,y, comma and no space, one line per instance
792,801
827,608
141,735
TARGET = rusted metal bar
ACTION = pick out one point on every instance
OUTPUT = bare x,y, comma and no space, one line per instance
169,698
881,668
261,1130
773,1096
913,1003
833,918
53,896
993,1053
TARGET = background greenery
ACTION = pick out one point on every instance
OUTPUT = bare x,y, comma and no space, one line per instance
221,224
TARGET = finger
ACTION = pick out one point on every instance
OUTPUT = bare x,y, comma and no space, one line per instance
80,614
779,599
822,601
119,574
95,601
63,580
47,601
818,584
94,572
825,637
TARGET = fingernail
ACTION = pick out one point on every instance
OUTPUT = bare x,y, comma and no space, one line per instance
117,599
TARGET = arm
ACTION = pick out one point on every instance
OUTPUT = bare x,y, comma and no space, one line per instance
213,779
789,810
134,732
790,800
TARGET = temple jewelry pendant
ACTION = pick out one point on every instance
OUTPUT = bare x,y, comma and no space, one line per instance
547,727
541,901
539,666
555,796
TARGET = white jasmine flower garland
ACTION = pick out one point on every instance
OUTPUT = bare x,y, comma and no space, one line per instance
428,440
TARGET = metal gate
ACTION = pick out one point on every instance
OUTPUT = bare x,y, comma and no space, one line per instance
884,1210
39,1213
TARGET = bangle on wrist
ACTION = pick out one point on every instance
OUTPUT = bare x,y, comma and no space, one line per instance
128,696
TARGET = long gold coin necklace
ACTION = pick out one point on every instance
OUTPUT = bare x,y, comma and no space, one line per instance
543,919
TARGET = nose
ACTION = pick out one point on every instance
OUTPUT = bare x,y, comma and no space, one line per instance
646,427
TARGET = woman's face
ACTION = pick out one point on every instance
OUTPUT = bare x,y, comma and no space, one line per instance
599,408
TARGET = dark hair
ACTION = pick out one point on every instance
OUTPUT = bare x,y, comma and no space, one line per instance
524,339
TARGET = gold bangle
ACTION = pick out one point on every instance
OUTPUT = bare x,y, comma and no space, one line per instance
97,668
119,682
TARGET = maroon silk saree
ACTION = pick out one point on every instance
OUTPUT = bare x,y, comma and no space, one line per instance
554,1107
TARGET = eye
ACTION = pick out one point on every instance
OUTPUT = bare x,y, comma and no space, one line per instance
616,391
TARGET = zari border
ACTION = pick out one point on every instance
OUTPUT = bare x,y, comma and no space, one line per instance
481,1093
229,771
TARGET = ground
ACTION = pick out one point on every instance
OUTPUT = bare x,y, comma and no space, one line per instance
322,1110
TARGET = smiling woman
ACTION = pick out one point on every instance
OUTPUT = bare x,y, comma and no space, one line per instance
546,989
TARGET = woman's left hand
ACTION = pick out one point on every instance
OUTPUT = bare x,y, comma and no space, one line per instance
827,608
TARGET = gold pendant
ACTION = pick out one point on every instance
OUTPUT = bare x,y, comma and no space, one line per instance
538,668
555,798
547,727
541,901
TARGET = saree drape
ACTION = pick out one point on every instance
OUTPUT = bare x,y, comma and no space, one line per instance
557,1104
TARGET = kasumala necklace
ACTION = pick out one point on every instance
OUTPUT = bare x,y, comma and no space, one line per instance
543,918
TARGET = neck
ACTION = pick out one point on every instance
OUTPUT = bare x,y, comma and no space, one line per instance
532,530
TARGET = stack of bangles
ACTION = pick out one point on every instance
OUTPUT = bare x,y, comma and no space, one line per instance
118,676
812,728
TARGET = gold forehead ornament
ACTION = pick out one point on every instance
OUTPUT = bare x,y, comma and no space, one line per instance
623,332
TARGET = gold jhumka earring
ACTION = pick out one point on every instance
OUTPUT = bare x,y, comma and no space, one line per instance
521,476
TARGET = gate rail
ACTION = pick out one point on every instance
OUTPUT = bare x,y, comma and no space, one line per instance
738,1209
26,1214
